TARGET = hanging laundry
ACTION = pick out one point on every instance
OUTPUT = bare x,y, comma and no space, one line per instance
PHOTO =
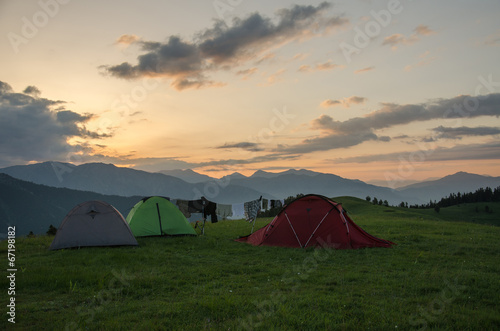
196,206
209,209
251,209
238,211
183,206
224,211
264,204
277,203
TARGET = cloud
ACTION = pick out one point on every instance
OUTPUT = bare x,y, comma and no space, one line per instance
492,39
336,134
151,164
423,30
158,164
346,102
300,56
154,164
187,63
319,67
32,90
127,39
34,128
329,142
330,103
399,39
266,58
425,59
456,153
257,159
249,146
360,71
247,73
458,133
275,77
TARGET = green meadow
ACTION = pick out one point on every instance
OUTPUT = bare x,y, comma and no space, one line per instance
443,274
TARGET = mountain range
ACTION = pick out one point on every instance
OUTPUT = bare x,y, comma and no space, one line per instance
188,184
462,182
34,207
112,180
41,194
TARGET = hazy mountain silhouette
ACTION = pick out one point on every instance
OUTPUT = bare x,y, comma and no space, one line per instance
234,188
34,207
261,173
462,182
293,182
109,179
187,175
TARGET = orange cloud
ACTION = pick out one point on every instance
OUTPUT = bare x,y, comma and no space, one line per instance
360,71
346,102
328,65
127,39
399,39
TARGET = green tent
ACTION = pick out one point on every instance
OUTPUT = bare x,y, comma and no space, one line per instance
156,216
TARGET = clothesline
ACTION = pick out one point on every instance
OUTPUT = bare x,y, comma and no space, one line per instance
246,210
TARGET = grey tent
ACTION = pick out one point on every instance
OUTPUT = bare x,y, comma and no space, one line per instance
93,223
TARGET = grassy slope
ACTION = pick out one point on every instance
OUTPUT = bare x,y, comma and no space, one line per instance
441,275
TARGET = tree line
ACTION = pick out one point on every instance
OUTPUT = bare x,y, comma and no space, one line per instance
485,194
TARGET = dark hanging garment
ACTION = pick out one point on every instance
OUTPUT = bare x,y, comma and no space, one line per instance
184,207
276,204
210,209
196,206
265,203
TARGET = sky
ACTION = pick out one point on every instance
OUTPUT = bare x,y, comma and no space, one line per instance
388,92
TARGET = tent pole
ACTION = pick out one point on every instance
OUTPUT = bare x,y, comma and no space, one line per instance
255,218
159,218
290,223
204,220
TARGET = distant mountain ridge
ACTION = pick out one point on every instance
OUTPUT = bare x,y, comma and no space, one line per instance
235,188
187,175
462,182
34,207
110,179
261,173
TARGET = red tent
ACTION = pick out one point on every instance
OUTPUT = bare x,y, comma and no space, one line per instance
312,221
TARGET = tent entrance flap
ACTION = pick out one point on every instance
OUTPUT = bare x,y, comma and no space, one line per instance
312,234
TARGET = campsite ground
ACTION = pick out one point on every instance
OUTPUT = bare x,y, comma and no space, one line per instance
443,274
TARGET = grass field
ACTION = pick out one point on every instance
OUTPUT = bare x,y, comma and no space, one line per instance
443,274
